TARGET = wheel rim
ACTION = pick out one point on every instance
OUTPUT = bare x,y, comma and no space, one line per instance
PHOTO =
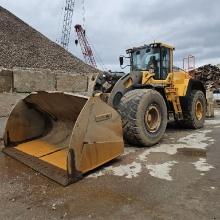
152,119
199,110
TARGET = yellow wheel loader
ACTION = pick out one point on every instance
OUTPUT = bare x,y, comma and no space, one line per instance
63,136
153,92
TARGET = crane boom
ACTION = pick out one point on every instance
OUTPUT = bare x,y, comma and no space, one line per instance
85,46
67,23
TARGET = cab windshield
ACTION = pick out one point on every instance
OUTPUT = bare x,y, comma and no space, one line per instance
146,59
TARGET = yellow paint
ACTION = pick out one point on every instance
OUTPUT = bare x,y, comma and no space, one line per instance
128,83
58,159
178,80
181,82
49,153
37,148
199,110
175,85
96,154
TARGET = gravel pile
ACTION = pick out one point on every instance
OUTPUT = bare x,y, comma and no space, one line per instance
23,46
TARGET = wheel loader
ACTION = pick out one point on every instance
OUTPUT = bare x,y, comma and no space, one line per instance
64,136
153,92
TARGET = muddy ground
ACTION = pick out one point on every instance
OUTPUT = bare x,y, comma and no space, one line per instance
177,179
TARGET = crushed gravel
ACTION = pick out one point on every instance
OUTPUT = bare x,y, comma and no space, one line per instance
23,46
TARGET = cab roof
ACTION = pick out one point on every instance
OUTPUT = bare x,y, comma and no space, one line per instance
155,44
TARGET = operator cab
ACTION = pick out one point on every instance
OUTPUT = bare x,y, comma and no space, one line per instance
156,58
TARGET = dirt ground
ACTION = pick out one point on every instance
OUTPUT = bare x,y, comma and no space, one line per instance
177,179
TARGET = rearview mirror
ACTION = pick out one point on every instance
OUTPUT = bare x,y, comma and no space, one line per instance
121,60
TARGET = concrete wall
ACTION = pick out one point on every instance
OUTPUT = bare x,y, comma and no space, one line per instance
30,80
6,80
71,82
33,80
7,103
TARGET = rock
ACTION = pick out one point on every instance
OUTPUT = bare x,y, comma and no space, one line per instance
54,207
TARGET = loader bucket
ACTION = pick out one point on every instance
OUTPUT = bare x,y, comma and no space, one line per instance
63,136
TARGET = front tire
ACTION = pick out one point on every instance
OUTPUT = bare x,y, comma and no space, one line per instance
144,116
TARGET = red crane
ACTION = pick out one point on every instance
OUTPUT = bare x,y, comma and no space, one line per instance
85,46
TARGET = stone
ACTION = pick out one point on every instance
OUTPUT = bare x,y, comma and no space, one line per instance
30,80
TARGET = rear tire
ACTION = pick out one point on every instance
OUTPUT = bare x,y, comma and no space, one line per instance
194,110
144,116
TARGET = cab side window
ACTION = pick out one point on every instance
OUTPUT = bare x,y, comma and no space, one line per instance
165,62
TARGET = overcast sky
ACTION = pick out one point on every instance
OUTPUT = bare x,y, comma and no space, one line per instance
193,27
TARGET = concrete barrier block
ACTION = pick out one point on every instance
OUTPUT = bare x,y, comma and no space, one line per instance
68,82
8,101
6,79
30,80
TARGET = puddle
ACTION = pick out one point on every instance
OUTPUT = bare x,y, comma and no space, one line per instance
194,144
198,140
192,152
